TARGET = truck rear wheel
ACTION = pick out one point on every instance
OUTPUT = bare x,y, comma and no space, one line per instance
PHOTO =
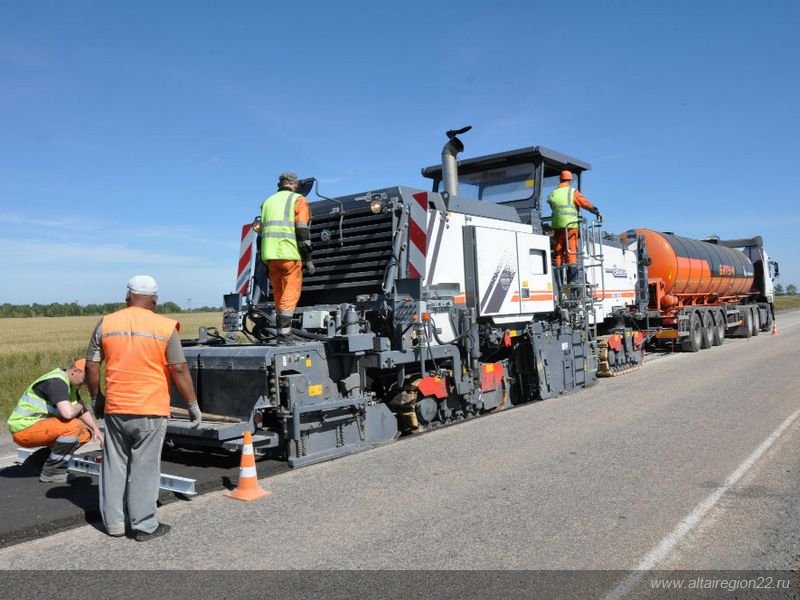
747,322
719,327
767,324
708,330
756,320
693,342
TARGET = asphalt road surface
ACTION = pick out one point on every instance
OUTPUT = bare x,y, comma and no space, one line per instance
691,463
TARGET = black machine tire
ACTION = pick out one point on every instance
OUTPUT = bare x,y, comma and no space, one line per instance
426,409
747,322
767,325
708,330
756,320
694,341
719,327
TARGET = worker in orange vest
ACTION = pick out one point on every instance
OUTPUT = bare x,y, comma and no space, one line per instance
141,350
286,248
50,413
565,202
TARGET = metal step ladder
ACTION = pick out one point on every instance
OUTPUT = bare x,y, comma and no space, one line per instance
90,466
580,297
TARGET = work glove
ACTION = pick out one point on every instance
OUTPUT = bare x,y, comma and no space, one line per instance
309,267
195,415
99,405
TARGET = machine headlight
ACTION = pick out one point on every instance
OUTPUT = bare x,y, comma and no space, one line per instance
257,225
376,205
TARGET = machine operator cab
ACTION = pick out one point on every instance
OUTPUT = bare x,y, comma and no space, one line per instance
521,179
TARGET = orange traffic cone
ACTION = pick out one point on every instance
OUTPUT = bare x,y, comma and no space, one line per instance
248,488
774,328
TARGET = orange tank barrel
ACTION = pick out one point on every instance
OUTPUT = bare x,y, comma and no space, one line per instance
693,268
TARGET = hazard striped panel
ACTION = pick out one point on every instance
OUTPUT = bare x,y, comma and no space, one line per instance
246,253
418,236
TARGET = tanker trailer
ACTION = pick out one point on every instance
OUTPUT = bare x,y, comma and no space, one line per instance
702,291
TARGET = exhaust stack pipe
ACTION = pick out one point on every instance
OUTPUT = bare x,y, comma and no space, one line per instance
449,162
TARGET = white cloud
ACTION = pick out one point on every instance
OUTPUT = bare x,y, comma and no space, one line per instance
105,231
63,259
42,270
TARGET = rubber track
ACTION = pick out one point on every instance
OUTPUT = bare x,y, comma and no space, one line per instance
603,368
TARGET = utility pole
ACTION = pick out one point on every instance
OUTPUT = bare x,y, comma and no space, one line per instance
189,302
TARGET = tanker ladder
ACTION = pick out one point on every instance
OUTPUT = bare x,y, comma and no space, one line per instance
604,366
170,483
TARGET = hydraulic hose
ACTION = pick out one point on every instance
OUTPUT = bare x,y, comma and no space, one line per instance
438,339
308,335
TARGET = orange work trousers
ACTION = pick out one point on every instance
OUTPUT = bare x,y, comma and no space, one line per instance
46,431
566,246
286,277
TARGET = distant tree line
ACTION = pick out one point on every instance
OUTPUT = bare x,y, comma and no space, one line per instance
73,309
791,290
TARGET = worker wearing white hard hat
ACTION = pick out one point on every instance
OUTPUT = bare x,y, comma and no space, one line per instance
143,353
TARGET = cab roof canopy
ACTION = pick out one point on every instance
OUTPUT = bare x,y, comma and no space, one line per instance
553,162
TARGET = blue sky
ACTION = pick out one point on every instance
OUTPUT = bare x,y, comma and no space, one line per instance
139,137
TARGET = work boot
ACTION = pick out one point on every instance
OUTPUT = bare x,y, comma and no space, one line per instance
572,275
117,533
284,330
56,477
143,536
54,469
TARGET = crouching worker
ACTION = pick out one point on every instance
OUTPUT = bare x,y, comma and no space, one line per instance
51,414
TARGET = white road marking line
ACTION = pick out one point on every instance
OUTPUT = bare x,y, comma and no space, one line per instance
660,552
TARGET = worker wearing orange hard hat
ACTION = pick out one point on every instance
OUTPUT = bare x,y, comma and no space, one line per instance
286,248
50,413
565,202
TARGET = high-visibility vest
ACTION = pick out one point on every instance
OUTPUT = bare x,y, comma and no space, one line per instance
32,408
134,344
565,213
278,240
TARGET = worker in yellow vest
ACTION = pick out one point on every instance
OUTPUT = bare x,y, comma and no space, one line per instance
564,202
286,248
50,413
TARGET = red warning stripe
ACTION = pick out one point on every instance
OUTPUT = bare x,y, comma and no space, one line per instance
422,200
245,258
418,237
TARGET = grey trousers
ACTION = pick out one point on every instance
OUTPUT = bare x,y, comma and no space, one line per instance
130,472
60,453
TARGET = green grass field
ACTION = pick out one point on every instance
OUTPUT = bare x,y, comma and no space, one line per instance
32,347
786,302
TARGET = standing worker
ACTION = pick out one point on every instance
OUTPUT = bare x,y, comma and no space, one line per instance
50,413
565,201
141,350
285,247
